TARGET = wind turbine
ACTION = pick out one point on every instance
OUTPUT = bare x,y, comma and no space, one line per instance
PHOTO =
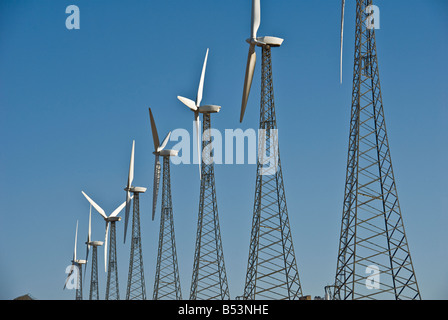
209,280
197,108
269,275
136,280
78,265
158,151
111,266
94,275
252,56
167,283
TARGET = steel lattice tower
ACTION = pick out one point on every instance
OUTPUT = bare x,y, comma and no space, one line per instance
372,231
167,283
94,275
136,289
78,290
272,270
112,288
209,281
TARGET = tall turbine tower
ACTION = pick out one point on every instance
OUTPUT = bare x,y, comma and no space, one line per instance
94,291
167,283
374,261
112,288
271,270
136,289
209,281
76,268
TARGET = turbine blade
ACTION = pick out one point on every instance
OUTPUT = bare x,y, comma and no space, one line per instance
156,185
201,82
118,210
105,246
155,136
76,240
165,141
89,235
189,103
97,207
199,147
90,226
342,34
256,18
68,277
250,68
131,166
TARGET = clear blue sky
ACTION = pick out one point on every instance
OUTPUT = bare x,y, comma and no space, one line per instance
72,101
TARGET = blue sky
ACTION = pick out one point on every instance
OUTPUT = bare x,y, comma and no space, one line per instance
72,101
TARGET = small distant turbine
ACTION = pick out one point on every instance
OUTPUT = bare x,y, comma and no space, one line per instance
158,151
78,265
94,274
135,289
167,283
109,266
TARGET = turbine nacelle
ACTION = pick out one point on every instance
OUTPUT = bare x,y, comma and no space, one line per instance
95,243
136,189
113,219
266,40
211,108
166,153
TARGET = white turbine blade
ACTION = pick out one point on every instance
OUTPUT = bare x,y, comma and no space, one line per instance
89,235
90,225
165,141
68,277
188,102
118,210
126,217
97,207
155,136
156,185
199,147
76,240
201,82
105,246
250,68
342,35
256,18
131,166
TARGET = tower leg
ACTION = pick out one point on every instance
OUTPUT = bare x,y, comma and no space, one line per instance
271,270
374,261
209,279
136,289
167,283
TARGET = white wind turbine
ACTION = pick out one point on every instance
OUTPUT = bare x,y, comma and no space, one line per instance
158,151
108,219
197,108
75,262
252,57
